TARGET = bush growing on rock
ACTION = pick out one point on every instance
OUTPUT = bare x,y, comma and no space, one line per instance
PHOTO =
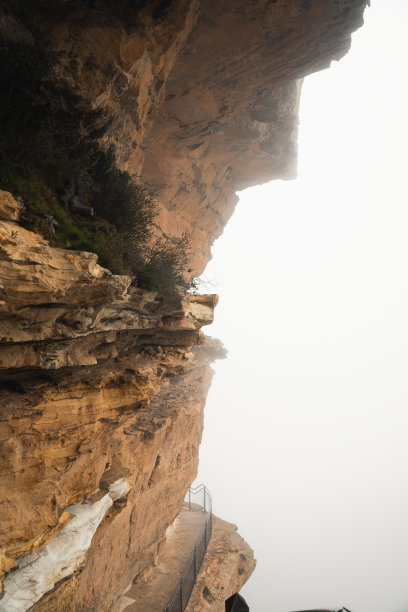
163,266
74,193
119,199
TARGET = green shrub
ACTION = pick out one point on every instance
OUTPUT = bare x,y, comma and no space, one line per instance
164,266
48,142
119,199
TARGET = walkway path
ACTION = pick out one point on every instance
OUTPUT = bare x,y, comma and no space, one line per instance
153,595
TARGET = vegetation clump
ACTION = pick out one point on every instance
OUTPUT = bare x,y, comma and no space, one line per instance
74,193
163,266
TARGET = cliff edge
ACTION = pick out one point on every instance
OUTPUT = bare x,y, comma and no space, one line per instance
103,382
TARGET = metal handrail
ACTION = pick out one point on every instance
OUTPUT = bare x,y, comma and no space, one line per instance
326,610
179,598
207,494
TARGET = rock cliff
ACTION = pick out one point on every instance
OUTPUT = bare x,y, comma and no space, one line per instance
103,384
103,388
202,95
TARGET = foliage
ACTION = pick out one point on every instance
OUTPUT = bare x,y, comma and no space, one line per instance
117,198
164,266
41,127
48,142
44,214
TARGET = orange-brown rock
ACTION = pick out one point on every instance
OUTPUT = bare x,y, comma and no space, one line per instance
74,434
230,115
83,357
157,449
9,207
203,94
228,564
61,308
103,384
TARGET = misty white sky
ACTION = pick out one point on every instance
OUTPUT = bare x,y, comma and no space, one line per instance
306,440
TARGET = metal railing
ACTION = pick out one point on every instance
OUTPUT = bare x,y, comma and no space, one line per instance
326,610
181,594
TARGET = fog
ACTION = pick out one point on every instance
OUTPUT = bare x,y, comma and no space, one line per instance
305,442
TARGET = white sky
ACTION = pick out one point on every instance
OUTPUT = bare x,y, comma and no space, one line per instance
305,443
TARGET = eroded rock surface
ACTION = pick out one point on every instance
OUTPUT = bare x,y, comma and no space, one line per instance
228,564
101,382
104,383
203,95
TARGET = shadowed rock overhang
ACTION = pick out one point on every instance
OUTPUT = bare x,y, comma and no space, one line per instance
104,383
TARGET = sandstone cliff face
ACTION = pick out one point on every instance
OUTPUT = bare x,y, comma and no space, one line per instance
90,442
103,385
203,95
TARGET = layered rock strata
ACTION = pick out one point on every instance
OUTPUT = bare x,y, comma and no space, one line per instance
101,384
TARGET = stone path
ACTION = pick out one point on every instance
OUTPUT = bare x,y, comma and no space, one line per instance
152,596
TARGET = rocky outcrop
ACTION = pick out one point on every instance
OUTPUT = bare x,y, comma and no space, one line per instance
60,308
228,564
103,387
103,384
10,208
153,448
203,95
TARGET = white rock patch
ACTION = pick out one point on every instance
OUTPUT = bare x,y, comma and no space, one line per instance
40,571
